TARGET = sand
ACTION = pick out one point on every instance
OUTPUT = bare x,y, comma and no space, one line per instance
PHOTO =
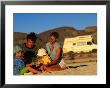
86,66
79,67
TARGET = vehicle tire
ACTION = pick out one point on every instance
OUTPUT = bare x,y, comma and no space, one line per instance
94,50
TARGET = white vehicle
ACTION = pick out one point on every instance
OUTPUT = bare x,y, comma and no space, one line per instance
78,44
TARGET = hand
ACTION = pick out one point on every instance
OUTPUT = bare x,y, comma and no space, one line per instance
29,64
49,64
52,63
32,63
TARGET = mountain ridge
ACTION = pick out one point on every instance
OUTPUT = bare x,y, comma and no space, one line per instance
64,32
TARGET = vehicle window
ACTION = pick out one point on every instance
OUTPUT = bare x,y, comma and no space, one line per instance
74,43
89,43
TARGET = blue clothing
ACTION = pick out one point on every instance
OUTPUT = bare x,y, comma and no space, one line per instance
53,53
18,65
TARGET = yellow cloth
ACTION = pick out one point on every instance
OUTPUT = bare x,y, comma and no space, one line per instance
44,60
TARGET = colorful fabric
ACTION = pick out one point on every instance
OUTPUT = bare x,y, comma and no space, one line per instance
18,65
17,48
23,70
44,60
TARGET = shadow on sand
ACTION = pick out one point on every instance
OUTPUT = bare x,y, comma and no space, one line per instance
77,66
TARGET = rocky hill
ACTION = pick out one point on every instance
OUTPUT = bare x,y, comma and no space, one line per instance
64,32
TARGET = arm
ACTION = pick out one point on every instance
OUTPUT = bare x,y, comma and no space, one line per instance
58,53
31,69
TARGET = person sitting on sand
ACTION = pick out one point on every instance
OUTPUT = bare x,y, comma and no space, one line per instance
29,48
19,66
55,52
18,60
29,52
42,59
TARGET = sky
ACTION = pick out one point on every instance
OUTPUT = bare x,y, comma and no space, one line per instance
40,22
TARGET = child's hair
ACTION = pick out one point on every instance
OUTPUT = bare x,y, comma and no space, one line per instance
17,49
32,36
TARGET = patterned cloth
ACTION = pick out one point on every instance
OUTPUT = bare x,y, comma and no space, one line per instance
18,65
45,60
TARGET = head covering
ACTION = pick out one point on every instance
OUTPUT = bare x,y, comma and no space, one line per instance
17,48
41,52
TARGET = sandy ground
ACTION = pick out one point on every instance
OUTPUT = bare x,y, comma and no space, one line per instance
86,66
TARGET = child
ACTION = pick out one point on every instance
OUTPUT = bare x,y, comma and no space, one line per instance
37,66
42,59
18,60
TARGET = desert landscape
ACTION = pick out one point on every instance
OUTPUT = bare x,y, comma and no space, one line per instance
86,68
78,63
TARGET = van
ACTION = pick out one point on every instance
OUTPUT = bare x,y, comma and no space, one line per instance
79,44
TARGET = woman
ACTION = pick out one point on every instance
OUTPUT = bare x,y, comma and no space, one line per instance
54,51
